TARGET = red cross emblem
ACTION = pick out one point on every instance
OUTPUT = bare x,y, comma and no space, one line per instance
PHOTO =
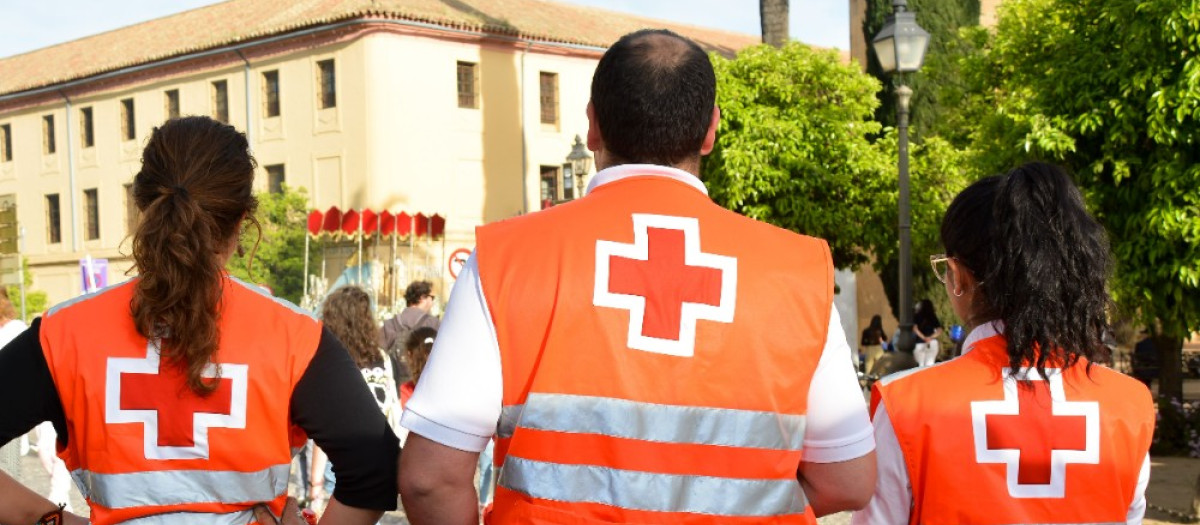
175,419
1036,432
665,282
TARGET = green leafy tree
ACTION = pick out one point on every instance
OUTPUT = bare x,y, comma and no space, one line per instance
794,149
1111,89
279,259
35,300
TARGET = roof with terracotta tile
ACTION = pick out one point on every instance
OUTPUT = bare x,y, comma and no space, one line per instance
237,21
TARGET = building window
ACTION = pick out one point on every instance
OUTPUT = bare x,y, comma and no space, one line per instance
48,134
271,94
171,103
568,182
91,202
549,97
549,186
6,143
326,84
220,101
53,219
468,85
275,178
87,134
131,210
128,128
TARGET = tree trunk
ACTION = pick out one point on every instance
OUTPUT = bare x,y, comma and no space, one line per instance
773,16
1170,359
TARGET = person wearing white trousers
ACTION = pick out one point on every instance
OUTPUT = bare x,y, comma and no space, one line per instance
926,351
927,327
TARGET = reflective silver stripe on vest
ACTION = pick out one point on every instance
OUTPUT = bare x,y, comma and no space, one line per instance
195,518
654,422
648,491
509,416
178,487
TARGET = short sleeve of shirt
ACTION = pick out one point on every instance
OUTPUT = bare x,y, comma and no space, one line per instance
838,427
458,396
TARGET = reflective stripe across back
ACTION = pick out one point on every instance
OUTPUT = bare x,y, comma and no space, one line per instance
195,518
649,491
181,487
654,422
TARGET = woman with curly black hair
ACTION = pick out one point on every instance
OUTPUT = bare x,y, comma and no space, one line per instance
1024,427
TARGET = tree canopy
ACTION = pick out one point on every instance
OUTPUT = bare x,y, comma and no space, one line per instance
279,259
795,149
1111,89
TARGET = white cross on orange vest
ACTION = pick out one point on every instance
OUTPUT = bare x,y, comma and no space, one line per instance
665,282
175,420
1036,432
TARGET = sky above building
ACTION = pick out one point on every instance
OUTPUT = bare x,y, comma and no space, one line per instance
29,25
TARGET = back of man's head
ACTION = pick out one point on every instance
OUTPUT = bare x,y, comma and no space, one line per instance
416,291
652,96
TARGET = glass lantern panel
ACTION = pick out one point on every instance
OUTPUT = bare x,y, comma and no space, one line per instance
885,50
910,51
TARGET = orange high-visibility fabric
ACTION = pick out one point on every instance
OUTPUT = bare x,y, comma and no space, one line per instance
931,412
81,342
538,274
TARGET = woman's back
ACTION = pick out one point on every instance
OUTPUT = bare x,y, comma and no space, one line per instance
139,436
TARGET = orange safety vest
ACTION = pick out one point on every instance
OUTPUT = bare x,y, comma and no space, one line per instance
981,450
142,446
657,351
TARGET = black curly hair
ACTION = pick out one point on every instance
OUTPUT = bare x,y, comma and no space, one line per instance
1041,260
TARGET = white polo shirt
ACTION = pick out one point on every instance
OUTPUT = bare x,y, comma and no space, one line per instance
458,398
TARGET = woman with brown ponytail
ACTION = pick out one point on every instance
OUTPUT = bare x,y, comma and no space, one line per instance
1024,426
179,394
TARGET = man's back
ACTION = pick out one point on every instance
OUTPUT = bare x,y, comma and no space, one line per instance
647,333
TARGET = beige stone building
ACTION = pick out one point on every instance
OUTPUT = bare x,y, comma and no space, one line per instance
466,109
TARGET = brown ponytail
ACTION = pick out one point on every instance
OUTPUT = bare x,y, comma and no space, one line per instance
193,191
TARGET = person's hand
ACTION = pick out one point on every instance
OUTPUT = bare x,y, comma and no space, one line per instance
71,519
291,515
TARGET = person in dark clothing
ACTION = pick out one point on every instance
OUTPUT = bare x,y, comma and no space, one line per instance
394,335
927,328
1145,361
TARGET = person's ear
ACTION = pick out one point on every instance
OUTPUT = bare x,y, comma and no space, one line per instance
961,279
710,137
594,141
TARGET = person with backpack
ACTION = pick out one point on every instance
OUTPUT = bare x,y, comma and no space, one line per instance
394,335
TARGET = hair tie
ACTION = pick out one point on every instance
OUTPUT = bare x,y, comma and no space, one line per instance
428,341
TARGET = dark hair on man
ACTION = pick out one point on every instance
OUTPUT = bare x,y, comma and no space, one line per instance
416,290
653,95
194,190
1042,262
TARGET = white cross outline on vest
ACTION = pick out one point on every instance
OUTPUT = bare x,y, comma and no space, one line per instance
1059,406
691,312
201,422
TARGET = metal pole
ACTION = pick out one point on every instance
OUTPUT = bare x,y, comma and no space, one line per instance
907,338
360,256
71,176
306,240
21,272
246,81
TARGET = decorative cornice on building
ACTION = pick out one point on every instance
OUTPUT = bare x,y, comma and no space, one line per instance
231,24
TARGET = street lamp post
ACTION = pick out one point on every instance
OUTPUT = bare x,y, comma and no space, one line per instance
580,163
900,48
